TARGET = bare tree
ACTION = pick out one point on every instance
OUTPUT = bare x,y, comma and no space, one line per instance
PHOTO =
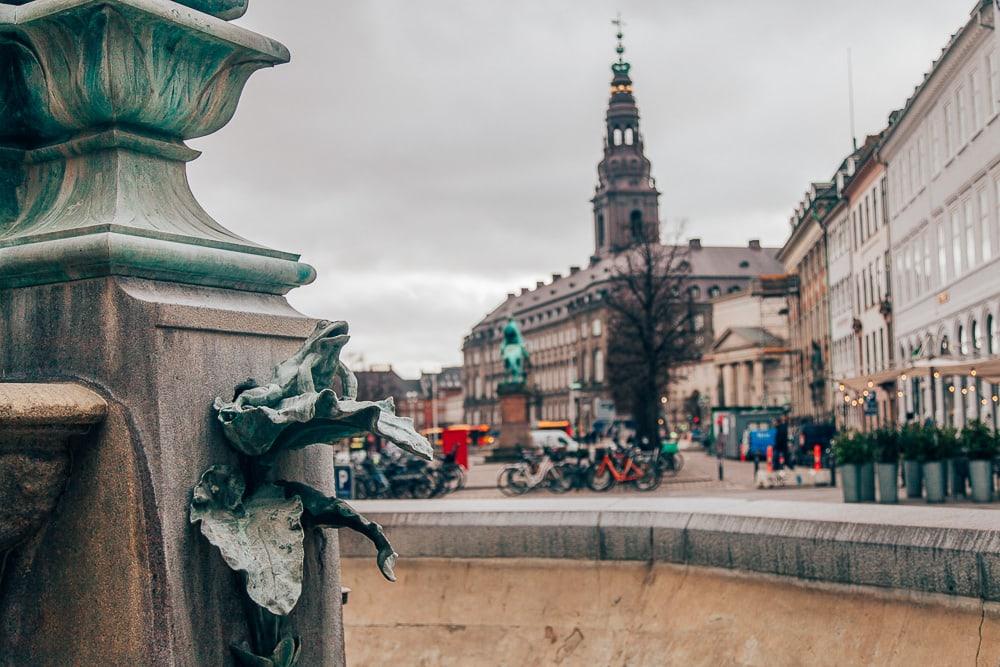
652,328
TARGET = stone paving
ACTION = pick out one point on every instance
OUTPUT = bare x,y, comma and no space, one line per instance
699,477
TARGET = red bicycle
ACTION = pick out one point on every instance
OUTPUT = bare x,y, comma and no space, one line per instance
621,467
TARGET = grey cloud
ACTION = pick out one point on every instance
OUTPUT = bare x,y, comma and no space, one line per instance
427,157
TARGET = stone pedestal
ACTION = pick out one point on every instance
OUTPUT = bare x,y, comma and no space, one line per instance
119,576
113,276
515,422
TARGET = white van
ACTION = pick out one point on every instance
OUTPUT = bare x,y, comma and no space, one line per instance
553,439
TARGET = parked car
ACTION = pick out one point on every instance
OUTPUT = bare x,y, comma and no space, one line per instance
554,439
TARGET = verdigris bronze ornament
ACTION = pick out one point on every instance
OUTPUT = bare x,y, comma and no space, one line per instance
258,523
224,9
514,353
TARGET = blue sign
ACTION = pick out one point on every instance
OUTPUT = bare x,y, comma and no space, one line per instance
343,478
760,440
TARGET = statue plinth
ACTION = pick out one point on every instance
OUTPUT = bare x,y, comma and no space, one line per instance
515,421
113,275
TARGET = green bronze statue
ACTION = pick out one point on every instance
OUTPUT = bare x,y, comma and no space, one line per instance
514,353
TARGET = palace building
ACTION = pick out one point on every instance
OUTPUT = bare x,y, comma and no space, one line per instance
564,322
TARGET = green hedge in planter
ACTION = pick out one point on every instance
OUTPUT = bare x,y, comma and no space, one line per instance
852,448
948,446
886,445
979,441
918,443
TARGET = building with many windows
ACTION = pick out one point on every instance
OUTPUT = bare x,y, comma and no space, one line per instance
942,158
805,255
869,236
564,321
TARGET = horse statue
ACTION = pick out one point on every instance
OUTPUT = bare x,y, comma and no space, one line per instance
514,353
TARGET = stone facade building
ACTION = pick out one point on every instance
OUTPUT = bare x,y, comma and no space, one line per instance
943,168
564,321
805,255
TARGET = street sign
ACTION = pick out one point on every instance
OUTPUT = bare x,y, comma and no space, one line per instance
871,405
343,478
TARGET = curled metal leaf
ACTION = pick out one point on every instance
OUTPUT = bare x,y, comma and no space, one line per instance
299,406
323,510
261,537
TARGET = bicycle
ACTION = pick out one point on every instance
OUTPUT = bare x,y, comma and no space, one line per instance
530,473
623,467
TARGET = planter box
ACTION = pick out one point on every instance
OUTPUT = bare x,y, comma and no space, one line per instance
935,481
888,482
848,473
981,477
956,472
914,475
866,482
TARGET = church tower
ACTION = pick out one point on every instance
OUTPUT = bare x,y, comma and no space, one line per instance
626,201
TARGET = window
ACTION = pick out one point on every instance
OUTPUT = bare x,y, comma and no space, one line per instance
926,245
942,249
950,138
694,292
970,233
583,330
714,291
985,228
963,341
596,328
977,337
921,161
699,322
628,136
617,137
975,89
600,230
956,243
907,273
991,335
993,81
635,222
935,144
962,120
598,366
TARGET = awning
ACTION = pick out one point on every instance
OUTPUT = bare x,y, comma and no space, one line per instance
987,370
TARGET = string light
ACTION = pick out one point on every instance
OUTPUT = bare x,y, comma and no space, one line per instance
973,372
899,394
841,388
951,388
937,375
964,391
903,377
870,384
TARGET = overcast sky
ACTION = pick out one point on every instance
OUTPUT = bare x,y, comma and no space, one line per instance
428,157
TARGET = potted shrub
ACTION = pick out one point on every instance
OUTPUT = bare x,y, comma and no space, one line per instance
886,441
933,466
949,449
866,468
980,445
851,452
913,446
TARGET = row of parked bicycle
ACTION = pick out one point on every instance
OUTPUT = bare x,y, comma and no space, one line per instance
406,477
560,471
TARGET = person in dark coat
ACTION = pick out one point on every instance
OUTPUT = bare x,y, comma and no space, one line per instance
781,454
